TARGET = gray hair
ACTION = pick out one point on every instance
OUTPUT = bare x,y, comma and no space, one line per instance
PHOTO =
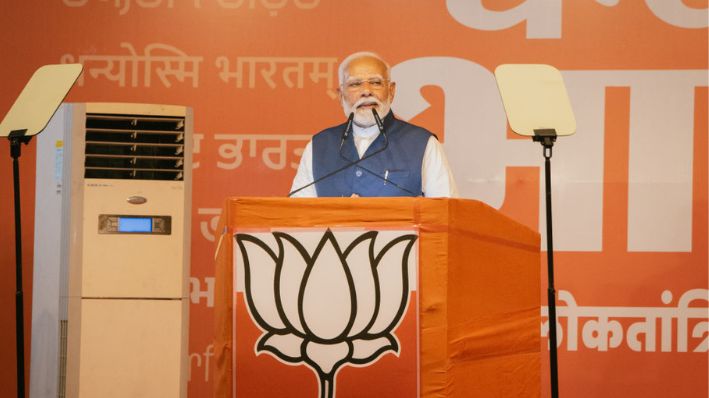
360,54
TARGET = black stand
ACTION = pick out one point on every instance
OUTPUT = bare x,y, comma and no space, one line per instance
547,137
17,138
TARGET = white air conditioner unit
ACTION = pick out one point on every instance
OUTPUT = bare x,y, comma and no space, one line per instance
112,252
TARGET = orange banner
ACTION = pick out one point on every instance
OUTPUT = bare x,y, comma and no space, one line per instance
630,187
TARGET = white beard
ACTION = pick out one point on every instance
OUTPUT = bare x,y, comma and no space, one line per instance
363,117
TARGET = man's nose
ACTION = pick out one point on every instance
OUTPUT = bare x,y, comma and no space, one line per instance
366,91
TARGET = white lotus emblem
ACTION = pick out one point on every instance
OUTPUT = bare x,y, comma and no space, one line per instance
327,308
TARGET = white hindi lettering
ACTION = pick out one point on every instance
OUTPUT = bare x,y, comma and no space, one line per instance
272,6
292,71
602,333
472,99
677,13
197,294
209,227
685,313
298,69
168,62
231,150
543,17
201,359
605,328
306,4
298,152
277,150
123,6
75,3
173,63
112,67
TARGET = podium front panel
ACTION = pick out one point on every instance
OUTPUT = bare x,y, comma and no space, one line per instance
322,298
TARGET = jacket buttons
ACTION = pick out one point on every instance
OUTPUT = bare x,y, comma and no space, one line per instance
358,173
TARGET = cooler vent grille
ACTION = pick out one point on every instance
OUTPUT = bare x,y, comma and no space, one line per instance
134,147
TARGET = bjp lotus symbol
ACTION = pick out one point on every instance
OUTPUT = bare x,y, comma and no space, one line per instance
327,308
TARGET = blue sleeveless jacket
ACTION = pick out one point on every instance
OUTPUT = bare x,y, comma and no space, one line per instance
400,163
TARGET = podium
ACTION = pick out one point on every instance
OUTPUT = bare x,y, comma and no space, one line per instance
468,324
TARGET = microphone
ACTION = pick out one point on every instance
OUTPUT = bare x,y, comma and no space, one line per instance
348,128
379,122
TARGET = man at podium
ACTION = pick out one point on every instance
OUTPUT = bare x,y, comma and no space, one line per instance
369,155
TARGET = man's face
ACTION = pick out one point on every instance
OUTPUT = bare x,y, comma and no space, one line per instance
366,86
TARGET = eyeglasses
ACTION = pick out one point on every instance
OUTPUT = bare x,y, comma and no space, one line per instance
375,83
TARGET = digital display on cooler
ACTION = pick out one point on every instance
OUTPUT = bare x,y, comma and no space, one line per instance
135,224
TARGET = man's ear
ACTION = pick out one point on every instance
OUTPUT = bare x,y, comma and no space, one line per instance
392,91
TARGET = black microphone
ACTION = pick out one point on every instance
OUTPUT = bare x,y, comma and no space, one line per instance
379,122
348,128
345,134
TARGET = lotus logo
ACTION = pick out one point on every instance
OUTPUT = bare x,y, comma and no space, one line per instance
330,306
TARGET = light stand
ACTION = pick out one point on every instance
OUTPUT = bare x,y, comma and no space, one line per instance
537,106
547,137
17,138
28,116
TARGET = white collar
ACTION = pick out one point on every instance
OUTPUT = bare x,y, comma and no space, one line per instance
365,132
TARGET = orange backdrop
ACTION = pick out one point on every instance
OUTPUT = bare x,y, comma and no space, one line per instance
630,187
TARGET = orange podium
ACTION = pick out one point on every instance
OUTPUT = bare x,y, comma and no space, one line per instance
375,297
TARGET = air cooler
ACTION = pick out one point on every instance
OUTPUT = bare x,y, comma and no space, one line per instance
111,252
